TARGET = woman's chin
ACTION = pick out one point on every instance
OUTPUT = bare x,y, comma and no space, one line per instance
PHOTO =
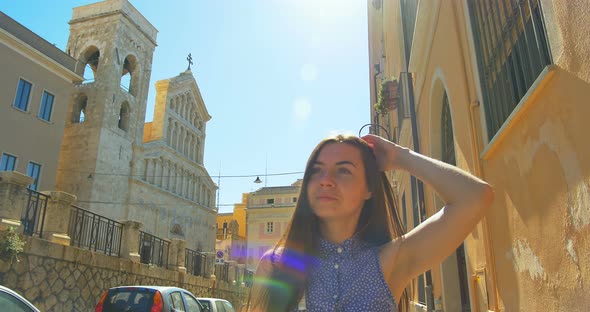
327,213
324,213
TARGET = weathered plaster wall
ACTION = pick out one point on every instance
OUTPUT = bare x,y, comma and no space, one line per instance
541,217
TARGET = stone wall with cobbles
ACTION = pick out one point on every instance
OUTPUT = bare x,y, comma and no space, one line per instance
64,278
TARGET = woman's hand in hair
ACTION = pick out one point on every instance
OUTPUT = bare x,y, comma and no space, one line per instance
385,151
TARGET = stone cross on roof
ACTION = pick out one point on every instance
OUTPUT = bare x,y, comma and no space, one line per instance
189,58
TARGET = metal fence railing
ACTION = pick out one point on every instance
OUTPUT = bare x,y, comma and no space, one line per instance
153,250
94,232
222,272
33,216
196,263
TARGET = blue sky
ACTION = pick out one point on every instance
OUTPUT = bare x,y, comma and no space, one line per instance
276,76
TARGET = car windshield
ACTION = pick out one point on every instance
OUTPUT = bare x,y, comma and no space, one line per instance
11,303
206,304
129,300
228,306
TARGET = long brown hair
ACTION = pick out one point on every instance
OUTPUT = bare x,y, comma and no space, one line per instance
294,254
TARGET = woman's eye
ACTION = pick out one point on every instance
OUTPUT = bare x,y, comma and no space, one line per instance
344,170
315,170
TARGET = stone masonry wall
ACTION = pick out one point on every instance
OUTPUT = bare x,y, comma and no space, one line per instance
63,278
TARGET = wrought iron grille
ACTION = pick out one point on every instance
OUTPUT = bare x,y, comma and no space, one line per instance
94,232
153,250
196,263
33,216
222,272
512,50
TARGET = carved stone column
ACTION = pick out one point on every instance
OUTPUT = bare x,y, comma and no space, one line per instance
149,170
130,240
57,217
165,175
176,261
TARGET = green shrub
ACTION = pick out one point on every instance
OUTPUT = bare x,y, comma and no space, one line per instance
11,245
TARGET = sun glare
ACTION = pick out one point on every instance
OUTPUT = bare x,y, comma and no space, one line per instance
327,10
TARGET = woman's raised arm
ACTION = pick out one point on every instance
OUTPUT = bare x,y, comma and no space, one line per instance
467,198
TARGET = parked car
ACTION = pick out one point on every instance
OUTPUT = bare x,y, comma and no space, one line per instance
13,302
148,299
216,305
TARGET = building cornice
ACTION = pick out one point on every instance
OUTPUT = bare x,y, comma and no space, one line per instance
38,58
108,8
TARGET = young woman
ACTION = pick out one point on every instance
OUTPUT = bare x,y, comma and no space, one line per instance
345,248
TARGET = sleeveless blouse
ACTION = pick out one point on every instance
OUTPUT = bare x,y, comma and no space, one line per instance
348,277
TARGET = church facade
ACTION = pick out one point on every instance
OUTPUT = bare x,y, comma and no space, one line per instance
117,165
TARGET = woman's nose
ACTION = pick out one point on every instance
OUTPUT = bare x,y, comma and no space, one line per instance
326,179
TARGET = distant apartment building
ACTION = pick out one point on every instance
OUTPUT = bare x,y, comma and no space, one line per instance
269,211
231,233
36,85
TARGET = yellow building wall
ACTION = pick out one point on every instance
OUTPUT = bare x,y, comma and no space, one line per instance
540,222
449,69
530,252
541,172
239,214
221,218
444,69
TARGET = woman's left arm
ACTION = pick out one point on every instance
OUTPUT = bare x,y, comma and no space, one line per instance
467,199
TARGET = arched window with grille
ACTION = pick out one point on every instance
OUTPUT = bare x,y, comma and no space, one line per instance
510,42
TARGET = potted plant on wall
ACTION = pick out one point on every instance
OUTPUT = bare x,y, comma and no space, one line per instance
388,96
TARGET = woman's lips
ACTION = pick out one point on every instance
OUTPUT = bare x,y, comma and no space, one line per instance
326,198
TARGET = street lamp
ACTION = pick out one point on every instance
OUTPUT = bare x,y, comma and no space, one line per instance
258,181
376,127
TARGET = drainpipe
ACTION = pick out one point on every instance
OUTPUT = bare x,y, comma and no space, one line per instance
377,68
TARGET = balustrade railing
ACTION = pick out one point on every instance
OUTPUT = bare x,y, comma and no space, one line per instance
196,263
153,250
33,216
94,232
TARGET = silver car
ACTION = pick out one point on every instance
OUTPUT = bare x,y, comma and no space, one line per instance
148,299
13,302
216,305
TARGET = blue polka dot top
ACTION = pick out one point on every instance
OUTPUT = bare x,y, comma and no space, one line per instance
348,277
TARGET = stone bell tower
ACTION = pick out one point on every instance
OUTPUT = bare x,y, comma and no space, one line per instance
114,46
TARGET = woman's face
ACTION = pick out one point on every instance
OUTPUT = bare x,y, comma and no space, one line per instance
337,187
